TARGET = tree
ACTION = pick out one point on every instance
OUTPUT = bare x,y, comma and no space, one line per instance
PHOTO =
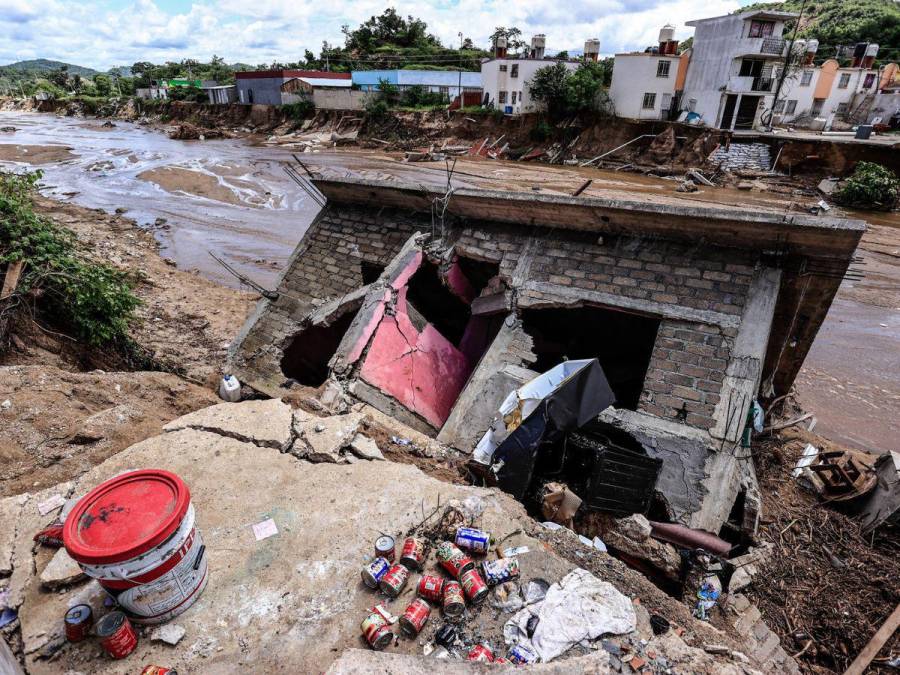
467,44
565,92
59,76
563,55
388,29
583,87
548,86
103,85
513,35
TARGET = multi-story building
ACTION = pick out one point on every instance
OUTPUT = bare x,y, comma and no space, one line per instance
505,78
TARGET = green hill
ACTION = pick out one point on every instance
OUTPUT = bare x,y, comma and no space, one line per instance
41,66
846,22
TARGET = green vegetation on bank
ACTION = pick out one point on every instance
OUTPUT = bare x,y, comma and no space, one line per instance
566,91
871,186
59,281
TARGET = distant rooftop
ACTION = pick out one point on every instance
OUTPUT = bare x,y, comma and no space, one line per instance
260,74
753,14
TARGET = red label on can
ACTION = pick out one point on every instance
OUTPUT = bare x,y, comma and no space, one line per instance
413,553
158,670
415,616
431,588
121,642
474,586
453,560
454,600
481,653
394,580
376,632
78,623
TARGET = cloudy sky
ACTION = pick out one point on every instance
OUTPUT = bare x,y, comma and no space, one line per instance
105,33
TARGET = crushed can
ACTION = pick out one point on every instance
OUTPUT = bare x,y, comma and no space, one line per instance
413,553
481,654
79,620
446,635
454,601
453,560
415,616
394,580
473,586
431,588
376,632
158,670
522,655
501,570
116,635
384,548
374,572
470,539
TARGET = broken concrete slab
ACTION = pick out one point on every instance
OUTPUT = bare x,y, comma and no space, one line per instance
265,423
61,571
100,424
10,508
170,633
632,536
321,439
365,448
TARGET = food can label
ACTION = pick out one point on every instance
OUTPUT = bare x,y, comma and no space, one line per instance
413,552
394,580
501,570
373,573
522,655
473,540
415,616
473,585
121,643
431,587
481,654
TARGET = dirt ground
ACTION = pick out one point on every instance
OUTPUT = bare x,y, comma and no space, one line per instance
172,179
34,154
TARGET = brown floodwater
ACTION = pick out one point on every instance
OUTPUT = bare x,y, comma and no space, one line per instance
231,197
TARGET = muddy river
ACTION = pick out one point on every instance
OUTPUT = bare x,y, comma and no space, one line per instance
233,198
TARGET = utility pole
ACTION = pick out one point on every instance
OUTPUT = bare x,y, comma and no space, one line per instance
787,64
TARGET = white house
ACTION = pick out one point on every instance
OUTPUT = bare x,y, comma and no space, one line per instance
505,80
645,84
731,77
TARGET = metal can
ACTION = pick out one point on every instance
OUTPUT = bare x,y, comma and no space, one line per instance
116,635
520,654
481,653
413,553
473,540
374,571
454,600
79,620
473,585
431,587
501,570
158,670
384,548
415,616
376,632
453,560
446,635
394,580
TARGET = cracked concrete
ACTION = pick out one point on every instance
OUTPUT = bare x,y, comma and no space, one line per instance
264,423
321,439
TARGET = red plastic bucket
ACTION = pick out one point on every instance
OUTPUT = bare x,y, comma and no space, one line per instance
135,534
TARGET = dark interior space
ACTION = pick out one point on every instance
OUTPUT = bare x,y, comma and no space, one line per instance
370,271
306,357
478,272
622,342
437,305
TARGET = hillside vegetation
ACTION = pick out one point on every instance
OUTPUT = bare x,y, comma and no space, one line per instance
846,22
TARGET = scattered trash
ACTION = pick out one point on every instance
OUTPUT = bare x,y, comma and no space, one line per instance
686,537
473,540
810,453
374,572
384,547
6,405
507,597
430,587
230,389
169,633
376,631
116,635
51,504
707,597
500,571
559,504
843,476
516,550
78,623
394,580
659,624
413,554
415,616
265,529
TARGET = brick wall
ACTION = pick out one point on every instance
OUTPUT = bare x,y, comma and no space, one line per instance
687,367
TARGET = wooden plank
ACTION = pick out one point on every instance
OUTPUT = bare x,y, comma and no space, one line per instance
870,651
11,280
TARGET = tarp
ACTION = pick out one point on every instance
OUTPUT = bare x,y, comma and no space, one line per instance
562,399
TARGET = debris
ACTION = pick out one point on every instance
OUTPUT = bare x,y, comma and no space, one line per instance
473,540
414,617
707,597
61,571
844,475
169,633
385,547
870,651
698,177
827,186
412,555
230,389
51,504
883,505
810,453
6,405
516,550
659,624
116,635
11,279
78,623
686,537
365,448
716,649
373,572
507,597
559,504
266,423
265,529
376,632
578,607
686,186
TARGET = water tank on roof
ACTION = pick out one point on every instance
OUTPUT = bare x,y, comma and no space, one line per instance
872,50
812,46
538,42
500,42
667,33
592,49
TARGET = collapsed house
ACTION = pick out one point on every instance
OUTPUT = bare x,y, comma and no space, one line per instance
434,306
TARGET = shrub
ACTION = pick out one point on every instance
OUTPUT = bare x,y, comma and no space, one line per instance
376,109
871,186
541,131
93,299
298,111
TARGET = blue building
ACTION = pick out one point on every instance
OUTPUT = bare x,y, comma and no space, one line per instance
446,82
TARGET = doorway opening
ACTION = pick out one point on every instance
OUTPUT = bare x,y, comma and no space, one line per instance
306,357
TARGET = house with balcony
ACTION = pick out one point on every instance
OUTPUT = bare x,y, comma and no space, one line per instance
732,75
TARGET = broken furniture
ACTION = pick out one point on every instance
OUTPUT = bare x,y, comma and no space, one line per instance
843,475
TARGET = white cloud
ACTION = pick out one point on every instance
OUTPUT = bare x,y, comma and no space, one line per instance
98,34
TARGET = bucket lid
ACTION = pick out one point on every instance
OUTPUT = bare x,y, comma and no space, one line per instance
126,516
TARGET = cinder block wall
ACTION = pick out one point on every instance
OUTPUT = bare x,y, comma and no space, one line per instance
685,375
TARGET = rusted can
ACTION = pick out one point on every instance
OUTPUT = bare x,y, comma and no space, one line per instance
394,580
415,616
431,588
116,635
473,586
501,570
79,620
453,560
522,655
413,553
454,600
476,541
481,653
158,670
374,572
384,548
376,631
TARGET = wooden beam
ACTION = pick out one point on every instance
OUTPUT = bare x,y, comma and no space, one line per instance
11,280
870,651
